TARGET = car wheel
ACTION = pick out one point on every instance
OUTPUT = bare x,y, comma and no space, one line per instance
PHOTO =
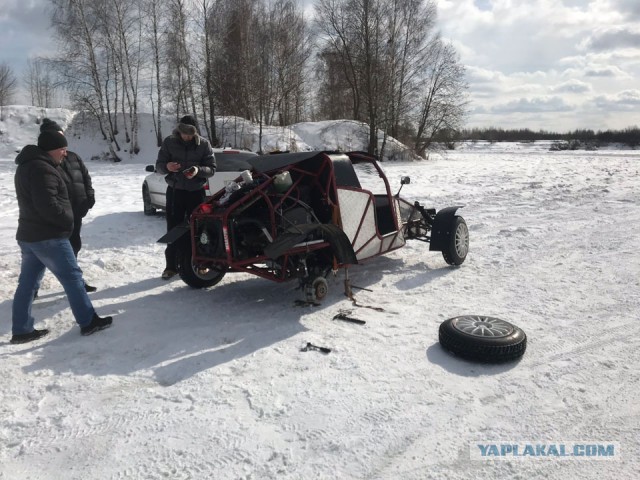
197,276
146,198
457,245
316,290
486,339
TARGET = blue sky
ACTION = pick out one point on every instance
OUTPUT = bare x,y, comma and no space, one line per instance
539,64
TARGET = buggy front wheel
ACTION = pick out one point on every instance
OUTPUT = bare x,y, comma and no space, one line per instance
457,244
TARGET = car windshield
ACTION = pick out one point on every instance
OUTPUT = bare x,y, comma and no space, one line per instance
233,162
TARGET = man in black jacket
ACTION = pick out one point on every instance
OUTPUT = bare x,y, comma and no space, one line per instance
80,190
187,160
45,223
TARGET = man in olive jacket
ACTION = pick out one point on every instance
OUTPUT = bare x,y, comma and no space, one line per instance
80,190
45,223
187,160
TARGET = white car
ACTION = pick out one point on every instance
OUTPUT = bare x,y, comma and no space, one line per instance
229,165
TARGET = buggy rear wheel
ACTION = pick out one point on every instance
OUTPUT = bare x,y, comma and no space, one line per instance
197,276
316,290
457,245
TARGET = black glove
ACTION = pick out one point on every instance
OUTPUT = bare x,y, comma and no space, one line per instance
91,201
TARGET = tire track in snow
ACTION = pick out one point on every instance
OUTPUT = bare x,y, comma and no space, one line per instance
583,343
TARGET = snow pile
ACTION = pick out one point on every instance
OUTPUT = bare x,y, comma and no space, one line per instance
86,139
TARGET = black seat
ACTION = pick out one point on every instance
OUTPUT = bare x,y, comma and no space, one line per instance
345,174
384,215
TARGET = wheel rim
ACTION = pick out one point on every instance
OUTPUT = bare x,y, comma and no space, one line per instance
462,240
206,273
321,288
480,326
316,290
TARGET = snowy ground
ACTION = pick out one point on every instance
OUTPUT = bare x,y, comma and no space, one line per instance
194,384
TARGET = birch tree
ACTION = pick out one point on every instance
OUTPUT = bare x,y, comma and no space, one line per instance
442,98
40,83
82,56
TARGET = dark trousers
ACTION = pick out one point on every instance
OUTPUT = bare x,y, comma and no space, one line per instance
74,239
180,204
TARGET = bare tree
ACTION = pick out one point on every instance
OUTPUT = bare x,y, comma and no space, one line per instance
154,12
291,49
334,23
38,78
127,21
81,61
356,31
410,37
179,66
387,53
7,85
334,93
443,96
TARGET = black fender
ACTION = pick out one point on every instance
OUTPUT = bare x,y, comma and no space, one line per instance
441,228
338,240
176,233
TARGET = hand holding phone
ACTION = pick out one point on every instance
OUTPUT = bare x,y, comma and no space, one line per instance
190,172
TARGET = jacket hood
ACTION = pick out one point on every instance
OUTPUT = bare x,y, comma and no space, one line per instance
196,137
32,152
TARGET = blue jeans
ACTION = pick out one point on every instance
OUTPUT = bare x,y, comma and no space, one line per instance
56,255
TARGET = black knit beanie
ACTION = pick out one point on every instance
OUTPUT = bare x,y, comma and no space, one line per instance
48,124
187,125
51,140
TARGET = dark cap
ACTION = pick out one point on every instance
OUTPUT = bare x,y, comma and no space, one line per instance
48,124
51,140
188,125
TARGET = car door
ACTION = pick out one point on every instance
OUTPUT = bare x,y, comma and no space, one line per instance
157,189
368,219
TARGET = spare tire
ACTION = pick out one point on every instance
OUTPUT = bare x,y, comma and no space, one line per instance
482,338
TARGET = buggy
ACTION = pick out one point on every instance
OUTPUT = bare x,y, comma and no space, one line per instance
301,216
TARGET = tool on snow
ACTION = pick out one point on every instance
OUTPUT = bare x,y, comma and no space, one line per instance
346,318
310,346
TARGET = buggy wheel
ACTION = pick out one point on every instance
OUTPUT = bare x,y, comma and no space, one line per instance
457,245
486,339
146,199
316,290
197,276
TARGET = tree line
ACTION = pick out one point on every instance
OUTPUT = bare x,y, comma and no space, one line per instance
381,62
628,136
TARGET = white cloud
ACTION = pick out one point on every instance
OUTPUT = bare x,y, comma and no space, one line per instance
613,39
631,8
607,71
517,52
572,86
628,100
538,104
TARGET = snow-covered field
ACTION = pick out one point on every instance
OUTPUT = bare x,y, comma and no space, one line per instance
192,384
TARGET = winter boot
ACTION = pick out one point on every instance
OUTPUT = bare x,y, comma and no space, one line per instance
29,337
168,273
97,323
